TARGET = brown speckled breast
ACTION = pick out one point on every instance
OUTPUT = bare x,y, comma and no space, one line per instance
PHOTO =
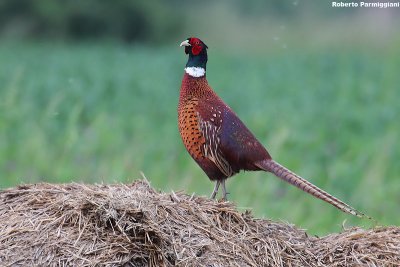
189,128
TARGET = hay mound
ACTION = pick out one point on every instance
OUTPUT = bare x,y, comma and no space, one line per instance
133,225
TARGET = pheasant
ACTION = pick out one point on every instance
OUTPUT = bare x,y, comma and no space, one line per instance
219,141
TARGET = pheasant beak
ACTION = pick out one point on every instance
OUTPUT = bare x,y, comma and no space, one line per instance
185,43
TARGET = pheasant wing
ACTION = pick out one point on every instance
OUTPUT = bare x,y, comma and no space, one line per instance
211,148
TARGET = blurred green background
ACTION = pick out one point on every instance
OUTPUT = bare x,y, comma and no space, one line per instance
89,91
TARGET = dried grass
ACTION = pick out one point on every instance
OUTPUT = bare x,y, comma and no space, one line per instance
133,225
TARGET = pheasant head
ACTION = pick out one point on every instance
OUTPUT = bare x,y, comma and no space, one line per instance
197,61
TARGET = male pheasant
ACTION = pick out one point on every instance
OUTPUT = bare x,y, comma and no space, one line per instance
219,141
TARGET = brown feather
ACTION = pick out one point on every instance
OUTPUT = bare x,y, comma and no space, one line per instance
294,179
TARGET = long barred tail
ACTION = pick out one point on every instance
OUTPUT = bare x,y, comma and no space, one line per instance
306,186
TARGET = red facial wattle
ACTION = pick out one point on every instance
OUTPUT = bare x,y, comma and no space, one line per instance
196,50
196,46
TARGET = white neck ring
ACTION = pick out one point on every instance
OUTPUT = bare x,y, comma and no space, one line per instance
195,71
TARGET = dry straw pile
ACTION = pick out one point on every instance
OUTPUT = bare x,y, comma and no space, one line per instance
133,225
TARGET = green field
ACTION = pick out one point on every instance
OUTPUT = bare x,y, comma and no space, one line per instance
107,112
